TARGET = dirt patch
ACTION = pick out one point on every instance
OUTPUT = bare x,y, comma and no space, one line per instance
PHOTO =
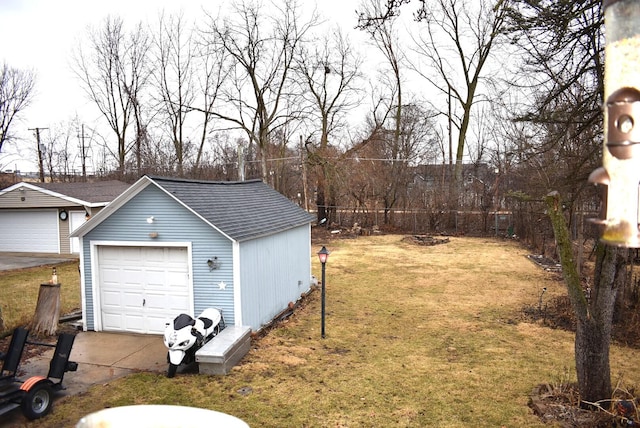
425,240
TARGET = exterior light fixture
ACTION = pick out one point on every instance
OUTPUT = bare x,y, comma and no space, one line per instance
323,255
213,263
150,219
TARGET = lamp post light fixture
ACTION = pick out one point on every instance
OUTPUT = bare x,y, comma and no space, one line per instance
323,255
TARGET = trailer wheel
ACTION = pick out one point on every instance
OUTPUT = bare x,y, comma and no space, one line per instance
37,401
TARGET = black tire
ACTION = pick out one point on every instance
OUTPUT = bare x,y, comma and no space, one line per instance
172,370
38,401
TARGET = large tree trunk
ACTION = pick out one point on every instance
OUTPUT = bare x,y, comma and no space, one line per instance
593,334
45,320
594,312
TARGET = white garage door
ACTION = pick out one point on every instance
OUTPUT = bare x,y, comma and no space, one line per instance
141,288
34,231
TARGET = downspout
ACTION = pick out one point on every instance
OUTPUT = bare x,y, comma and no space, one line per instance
621,150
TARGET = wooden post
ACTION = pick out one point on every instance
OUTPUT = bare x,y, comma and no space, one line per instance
45,320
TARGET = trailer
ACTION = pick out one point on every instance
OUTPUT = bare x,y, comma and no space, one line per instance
34,395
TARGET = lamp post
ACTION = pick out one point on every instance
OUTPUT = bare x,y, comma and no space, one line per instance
323,255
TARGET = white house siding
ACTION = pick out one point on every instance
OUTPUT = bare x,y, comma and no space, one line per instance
172,223
284,274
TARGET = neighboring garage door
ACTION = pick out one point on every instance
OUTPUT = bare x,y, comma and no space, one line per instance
32,231
142,288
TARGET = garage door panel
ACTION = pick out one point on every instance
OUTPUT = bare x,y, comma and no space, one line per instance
155,278
146,286
134,323
133,278
111,298
158,323
176,279
111,275
111,321
160,302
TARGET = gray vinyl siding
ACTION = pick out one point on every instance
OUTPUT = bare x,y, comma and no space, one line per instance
32,199
284,274
173,223
63,235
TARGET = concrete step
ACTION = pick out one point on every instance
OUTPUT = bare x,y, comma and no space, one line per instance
224,351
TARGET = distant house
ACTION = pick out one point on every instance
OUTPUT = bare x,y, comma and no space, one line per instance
39,217
167,246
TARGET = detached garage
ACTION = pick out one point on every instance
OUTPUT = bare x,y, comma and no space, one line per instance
170,246
39,217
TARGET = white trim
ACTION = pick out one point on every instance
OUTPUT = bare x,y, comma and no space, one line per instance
83,293
237,291
97,319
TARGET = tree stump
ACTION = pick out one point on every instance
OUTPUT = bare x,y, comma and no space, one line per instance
45,320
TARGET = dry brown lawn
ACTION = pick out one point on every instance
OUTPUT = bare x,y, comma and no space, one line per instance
19,292
416,337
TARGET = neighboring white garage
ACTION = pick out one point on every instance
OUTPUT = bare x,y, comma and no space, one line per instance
39,217
29,231
142,288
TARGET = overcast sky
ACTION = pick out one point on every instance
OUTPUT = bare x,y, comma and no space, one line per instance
40,35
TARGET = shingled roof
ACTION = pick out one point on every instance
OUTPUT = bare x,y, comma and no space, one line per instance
95,192
240,209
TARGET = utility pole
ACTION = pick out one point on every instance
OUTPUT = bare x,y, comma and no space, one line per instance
83,154
240,162
40,160
303,162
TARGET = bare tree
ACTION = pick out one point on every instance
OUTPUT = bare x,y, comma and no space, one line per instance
564,45
387,132
261,49
113,70
188,77
16,93
329,75
459,39
212,76
174,78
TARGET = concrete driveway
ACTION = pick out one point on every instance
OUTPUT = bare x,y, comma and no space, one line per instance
102,358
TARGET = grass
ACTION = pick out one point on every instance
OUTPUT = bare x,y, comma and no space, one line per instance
416,337
19,292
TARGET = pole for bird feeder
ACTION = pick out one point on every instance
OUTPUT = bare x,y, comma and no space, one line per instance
621,151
